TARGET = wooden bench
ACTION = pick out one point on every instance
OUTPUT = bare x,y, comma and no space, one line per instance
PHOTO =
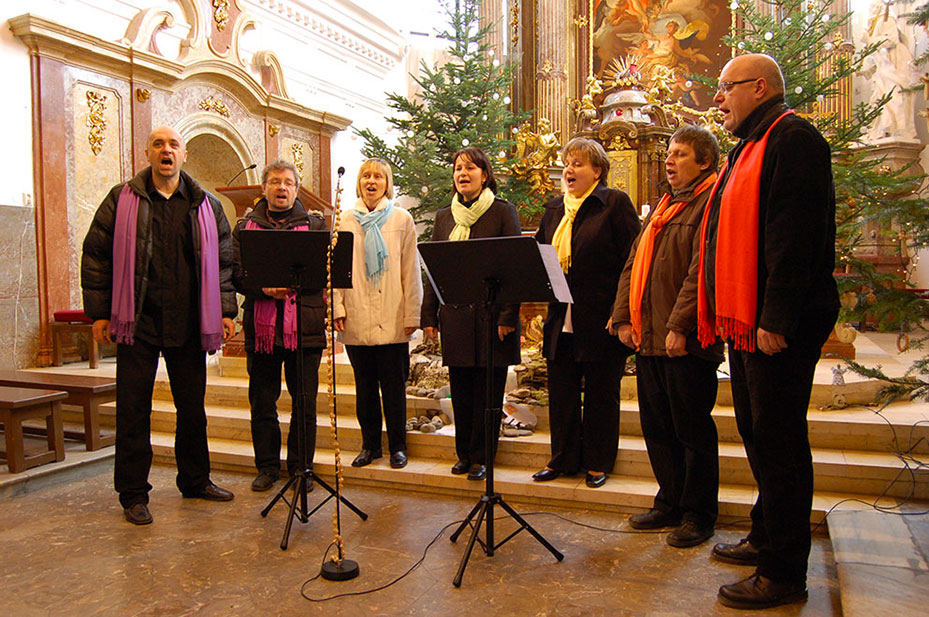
61,329
84,391
18,404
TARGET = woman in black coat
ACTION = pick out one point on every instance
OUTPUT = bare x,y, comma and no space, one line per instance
475,212
592,227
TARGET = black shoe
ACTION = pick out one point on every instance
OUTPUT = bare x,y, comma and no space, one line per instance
743,553
365,457
211,492
138,514
690,533
758,591
477,472
460,468
263,482
596,481
544,475
654,519
398,459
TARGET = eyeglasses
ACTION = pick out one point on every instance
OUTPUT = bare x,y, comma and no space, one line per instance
277,182
726,86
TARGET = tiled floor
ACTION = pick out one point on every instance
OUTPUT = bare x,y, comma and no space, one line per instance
68,551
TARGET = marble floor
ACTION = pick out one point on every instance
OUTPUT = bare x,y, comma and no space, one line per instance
68,551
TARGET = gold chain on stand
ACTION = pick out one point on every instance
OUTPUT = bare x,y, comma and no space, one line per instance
330,362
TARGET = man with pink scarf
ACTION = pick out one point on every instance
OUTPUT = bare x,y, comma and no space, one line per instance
156,274
270,325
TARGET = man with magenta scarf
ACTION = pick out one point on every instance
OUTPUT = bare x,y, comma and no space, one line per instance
156,275
270,324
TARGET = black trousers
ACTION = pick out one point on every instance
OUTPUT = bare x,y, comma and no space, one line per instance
771,395
676,397
135,381
468,385
587,439
381,371
264,388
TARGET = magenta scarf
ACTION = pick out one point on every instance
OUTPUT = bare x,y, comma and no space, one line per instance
122,311
266,313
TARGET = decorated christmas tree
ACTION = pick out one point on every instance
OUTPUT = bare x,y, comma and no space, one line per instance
463,102
875,203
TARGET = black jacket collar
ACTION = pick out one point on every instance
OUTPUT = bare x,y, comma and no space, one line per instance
761,118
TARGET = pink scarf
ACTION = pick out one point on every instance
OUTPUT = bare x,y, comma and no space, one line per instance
122,309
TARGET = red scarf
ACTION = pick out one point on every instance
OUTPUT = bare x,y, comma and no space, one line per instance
642,263
736,252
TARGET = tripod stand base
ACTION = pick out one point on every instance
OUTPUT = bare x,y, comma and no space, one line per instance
339,570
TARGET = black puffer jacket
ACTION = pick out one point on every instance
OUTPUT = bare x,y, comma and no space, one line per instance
312,304
97,258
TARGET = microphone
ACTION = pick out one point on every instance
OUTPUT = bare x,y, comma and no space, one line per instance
341,171
244,169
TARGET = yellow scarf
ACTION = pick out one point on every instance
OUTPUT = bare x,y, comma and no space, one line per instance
465,216
562,238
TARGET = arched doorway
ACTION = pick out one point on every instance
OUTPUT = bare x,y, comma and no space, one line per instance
212,162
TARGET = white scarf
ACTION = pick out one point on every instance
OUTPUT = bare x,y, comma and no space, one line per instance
466,217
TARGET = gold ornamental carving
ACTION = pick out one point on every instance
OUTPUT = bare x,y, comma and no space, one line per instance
96,122
535,153
213,104
297,151
548,72
623,171
514,23
274,129
221,14
581,22
142,94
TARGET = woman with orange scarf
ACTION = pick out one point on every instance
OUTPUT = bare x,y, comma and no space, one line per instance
656,313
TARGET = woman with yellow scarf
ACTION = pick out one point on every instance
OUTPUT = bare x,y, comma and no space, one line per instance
475,212
592,227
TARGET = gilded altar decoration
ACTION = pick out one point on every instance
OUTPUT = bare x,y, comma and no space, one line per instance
221,14
535,153
297,151
96,122
581,21
142,94
213,104
514,23
274,129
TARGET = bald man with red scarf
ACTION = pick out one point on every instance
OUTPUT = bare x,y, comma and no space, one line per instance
766,287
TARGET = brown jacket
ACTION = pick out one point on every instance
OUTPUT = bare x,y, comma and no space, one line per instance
670,298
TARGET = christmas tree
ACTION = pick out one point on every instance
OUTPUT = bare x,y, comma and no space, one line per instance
806,40
464,102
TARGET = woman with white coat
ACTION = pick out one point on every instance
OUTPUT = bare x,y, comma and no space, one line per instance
377,316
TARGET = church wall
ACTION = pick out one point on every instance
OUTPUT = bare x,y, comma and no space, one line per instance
336,58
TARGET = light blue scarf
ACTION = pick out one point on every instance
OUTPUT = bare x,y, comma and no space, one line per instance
375,248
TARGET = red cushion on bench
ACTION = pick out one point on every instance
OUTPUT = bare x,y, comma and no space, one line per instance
72,316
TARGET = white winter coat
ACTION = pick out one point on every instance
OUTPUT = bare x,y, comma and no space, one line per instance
378,315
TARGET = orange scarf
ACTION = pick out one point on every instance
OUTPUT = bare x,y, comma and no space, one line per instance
736,252
642,263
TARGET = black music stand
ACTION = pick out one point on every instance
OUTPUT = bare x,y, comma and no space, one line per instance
498,271
282,258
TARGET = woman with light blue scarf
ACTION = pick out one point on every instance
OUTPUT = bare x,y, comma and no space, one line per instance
377,316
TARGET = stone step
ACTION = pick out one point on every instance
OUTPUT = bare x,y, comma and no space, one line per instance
621,493
856,390
838,470
900,426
